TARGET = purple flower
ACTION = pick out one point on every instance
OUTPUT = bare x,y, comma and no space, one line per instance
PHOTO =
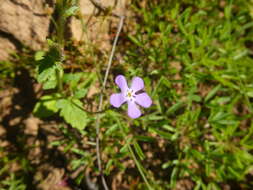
133,96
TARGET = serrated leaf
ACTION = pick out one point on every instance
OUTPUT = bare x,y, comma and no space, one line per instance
50,42
39,55
48,78
80,93
72,113
50,84
46,106
72,77
48,67
46,74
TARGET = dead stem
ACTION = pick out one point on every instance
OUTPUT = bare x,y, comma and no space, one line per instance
101,102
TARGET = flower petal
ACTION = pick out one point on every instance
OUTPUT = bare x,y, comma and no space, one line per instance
133,110
120,80
143,100
117,100
137,84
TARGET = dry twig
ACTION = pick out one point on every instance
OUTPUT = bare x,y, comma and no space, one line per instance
101,102
103,8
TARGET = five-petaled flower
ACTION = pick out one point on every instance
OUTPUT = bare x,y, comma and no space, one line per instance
133,96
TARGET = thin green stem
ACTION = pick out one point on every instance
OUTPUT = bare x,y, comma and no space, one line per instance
136,161
59,75
139,166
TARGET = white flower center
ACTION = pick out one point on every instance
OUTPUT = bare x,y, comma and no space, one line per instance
130,96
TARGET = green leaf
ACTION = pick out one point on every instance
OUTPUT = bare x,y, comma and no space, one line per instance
46,106
166,165
72,113
124,149
73,78
144,138
194,97
161,133
56,143
112,129
48,68
250,94
51,84
175,107
198,155
39,55
78,151
139,150
173,178
212,92
80,93
108,167
135,40
71,11
169,128
47,74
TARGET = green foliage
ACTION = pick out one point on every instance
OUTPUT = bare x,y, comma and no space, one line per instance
7,70
202,70
70,108
49,67
51,75
71,11
196,62
11,180
12,184
71,111
46,106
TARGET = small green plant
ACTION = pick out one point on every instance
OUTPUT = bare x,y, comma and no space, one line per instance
197,69
12,183
51,75
65,101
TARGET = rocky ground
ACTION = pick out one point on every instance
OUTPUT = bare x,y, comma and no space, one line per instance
28,23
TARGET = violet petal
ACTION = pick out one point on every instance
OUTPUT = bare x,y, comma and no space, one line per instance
117,100
120,80
137,84
143,100
133,110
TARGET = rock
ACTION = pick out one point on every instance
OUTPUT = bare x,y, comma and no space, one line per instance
6,47
87,6
25,21
95,32
92,28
